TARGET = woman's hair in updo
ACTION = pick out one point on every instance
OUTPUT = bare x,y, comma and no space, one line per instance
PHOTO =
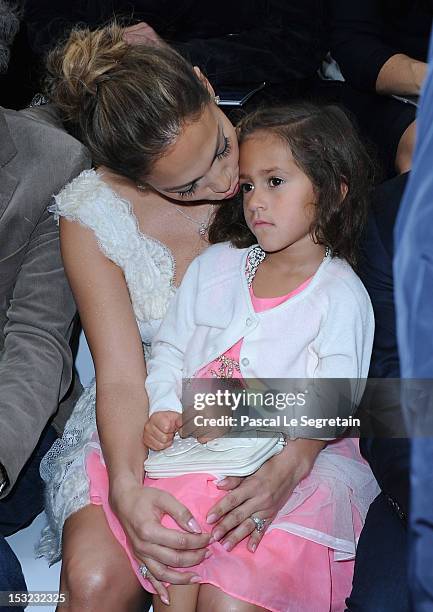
127,103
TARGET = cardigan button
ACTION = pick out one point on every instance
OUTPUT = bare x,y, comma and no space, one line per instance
245,361
249,322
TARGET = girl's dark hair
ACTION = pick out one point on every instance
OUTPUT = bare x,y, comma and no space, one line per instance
127,103
326,147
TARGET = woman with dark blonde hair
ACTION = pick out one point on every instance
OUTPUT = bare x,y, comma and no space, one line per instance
165,155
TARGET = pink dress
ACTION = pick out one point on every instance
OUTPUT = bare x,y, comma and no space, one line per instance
305,560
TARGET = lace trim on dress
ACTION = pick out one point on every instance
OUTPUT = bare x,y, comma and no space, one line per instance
254,258
64,472
148,265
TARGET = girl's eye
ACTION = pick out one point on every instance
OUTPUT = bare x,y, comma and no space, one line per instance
274,181
246,187
189,192
227,148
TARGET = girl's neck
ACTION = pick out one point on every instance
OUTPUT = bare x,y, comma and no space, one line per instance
304,256
283,271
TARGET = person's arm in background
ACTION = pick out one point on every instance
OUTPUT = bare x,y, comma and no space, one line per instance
401,75
365,59
36,360
368,63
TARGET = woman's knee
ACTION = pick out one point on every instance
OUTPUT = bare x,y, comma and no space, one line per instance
87,581
96,572
212,599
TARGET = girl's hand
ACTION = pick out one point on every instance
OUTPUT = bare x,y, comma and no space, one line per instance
160,428
140,511
262,494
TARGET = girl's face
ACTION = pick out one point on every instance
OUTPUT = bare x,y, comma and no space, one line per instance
203,163
278,198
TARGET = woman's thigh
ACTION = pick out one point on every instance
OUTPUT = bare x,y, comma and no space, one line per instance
212,599
96,572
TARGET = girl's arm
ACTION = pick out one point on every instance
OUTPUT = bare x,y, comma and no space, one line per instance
107,316
166,364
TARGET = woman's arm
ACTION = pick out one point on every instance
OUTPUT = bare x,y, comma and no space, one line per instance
365,58
166,363
108,319
401,75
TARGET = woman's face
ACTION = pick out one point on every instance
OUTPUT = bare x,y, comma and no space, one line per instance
203,162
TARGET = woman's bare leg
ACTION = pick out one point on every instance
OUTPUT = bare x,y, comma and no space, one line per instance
212,599
183,598
96,572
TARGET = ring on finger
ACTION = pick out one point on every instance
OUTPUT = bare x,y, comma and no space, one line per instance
259,523
143,570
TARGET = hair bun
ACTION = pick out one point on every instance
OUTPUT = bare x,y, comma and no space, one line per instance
77,68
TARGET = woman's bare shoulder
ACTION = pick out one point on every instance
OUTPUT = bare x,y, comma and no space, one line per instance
115,181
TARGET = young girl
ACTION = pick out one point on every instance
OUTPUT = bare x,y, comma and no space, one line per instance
290,306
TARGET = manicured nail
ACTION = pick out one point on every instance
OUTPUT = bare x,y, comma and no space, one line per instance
192,524
165,600
217,535
212,540
212,518
195,579
253,547
208,554
227,545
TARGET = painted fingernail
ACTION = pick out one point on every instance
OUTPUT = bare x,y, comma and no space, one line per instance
211,518
195,579
212,540
253,547
221,482
217,535
227,545
192,524
165,600
208,554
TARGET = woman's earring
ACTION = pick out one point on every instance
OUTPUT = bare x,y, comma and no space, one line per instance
217,100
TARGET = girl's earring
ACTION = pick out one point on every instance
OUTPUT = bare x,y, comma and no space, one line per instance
217,100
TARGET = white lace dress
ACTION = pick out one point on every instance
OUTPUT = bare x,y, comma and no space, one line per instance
149,270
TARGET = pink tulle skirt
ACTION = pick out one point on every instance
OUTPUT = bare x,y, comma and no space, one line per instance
305,560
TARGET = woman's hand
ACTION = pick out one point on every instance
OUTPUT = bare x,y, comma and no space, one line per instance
142,34
262,494
140,511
